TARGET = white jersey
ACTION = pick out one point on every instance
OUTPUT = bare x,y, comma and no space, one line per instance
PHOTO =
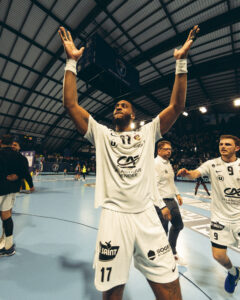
225,182
165,178
125,167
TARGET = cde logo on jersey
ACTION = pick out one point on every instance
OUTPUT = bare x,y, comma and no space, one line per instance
107,252
232,192
128,161
217,226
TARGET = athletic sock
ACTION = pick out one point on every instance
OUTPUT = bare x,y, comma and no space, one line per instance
8,242
233,271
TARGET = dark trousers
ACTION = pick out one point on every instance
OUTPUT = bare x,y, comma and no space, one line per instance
177,223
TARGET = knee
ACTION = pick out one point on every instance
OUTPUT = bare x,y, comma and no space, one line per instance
6,214
218,256
177,223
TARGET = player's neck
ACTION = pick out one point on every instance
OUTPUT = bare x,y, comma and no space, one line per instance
119,128
228,159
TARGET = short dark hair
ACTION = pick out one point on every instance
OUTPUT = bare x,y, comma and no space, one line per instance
232,137
7,139
161,143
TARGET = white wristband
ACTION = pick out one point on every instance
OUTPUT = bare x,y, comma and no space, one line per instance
71,65
181,66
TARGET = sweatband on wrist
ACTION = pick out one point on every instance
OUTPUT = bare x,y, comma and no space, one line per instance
71,65
181,66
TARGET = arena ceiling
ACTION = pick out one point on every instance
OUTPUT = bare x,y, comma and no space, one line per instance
145,32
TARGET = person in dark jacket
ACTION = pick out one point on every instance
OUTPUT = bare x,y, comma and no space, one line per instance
28,178
12,170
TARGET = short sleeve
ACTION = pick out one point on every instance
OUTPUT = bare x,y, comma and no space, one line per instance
92,130
154,127
204,169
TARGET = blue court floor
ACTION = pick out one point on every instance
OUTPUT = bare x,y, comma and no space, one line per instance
55,232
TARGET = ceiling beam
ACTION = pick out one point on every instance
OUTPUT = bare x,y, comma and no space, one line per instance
213,24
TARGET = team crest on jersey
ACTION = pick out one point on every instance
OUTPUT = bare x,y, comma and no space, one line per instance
166,171
217,226
213,165
107,252
137,137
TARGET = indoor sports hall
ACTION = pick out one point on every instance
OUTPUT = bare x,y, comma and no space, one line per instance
64,68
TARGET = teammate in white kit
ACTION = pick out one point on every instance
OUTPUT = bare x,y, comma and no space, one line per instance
169,192
125,187
224,173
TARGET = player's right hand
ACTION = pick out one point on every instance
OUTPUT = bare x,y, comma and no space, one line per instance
183,172
71,51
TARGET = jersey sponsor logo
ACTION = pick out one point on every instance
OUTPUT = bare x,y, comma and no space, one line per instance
139,145
232,192
220,178
217,226
128,161
113,143
107,252
159,252
151,255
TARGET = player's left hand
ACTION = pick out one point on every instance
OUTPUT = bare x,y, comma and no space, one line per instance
183,52
180,200
166,214
12,177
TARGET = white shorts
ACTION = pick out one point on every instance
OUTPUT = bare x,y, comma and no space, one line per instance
225,233
122,236
7,201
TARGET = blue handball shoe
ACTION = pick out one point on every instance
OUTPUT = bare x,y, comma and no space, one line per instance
231,281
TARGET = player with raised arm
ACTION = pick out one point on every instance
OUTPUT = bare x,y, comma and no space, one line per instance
125,186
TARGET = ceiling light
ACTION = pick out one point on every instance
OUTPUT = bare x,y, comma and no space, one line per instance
185,113
236,102
203,109
132,125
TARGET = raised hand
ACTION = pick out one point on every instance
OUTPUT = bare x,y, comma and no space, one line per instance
183,52
71,51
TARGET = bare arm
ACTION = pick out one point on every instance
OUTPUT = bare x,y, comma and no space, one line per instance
70,98
177,102
193,174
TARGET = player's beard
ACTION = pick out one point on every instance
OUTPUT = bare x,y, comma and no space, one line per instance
122,122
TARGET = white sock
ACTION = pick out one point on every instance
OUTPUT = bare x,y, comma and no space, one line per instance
8,242
233,271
